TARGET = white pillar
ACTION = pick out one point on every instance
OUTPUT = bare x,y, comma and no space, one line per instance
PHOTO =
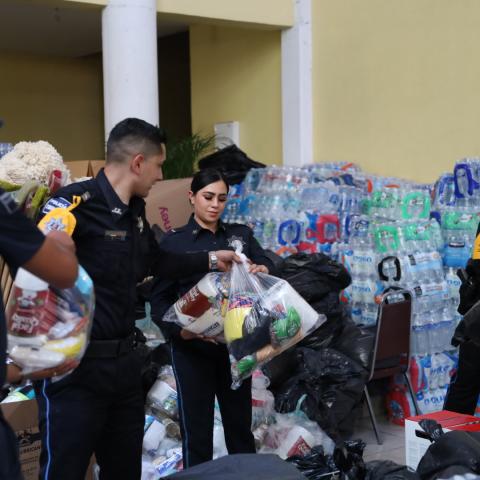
297,110
130,72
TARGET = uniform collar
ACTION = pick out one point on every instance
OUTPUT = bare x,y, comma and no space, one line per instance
117,208
196,229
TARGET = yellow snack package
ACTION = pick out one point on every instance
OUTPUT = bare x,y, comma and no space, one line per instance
60,219
476,248
232,328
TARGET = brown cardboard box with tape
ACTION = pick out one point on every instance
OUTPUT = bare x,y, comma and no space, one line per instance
168,205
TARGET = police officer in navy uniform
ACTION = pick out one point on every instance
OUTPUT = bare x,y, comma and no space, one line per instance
99,408
201,364
23,245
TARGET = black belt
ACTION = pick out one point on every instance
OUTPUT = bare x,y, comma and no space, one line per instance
110,348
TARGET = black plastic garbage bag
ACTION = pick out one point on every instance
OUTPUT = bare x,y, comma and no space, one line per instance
241,467
324,335
453,449
315,465
333,385
281,368
329,363
355,342
432,428
348,457
232,162
387,470
314,276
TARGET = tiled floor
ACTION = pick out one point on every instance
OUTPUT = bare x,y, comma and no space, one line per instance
393,436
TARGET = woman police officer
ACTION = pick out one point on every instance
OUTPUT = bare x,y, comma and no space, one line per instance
201,365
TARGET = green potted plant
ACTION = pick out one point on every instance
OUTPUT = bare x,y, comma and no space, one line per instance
183,155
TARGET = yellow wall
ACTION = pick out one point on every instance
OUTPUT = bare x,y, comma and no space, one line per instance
235,75
54,99
396,84
267,13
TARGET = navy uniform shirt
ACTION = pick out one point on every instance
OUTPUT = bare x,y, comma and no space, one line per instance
20,240
192,238
117,248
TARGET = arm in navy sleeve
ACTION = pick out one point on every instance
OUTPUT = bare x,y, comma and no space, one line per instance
170,265
257,254
20,239
163,295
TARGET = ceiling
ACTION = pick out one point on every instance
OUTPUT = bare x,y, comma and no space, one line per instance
26,27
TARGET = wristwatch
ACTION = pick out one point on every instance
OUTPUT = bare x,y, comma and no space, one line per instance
212,256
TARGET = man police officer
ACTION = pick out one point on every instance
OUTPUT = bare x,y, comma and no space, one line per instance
99,408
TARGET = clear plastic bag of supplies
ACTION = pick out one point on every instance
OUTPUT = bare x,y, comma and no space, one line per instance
163,397
294,434
264,317
47,326
200,309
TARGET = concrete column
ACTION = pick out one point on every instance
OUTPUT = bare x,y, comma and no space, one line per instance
130,72
297,110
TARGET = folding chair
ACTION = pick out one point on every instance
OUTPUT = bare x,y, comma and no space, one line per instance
391,353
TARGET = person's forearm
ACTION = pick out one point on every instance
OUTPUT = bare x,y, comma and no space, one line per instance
175,265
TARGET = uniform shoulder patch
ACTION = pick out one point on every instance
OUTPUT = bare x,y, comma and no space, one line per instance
58,202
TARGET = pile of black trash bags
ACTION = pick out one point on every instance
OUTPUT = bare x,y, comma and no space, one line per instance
451,456
330,366
232,162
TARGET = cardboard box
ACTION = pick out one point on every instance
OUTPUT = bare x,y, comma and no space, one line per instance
168,205
23,418
85,168
415,442
96,166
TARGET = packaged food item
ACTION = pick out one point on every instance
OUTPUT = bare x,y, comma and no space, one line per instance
200,309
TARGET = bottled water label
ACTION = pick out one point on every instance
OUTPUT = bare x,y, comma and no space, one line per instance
363,262
419,263
439,290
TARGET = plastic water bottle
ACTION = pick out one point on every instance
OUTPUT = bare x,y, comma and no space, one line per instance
454,283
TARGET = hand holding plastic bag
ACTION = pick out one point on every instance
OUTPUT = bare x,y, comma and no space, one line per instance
264,317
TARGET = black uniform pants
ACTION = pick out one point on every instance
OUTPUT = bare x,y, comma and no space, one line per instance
99,409
9,464
200,376
463,392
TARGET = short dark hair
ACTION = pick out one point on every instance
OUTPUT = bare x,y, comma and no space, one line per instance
132,136
205,177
